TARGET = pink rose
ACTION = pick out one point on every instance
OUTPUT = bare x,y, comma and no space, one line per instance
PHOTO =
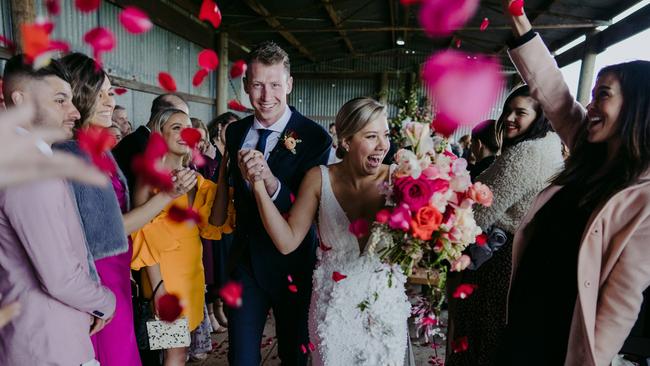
383,216
400,218
417,192
481,194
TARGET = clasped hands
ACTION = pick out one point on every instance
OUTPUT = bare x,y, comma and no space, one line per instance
254,169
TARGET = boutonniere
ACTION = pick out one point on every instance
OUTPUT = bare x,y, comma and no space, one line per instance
291,140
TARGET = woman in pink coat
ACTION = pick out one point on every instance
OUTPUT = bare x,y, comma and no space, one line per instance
581,254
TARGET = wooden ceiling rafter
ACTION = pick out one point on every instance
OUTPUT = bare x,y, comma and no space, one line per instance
277,26
327,4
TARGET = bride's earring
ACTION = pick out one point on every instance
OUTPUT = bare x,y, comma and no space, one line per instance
346,148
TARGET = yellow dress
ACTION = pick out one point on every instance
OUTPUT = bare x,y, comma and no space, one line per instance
177,247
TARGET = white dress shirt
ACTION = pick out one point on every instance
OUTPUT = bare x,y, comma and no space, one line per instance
272,140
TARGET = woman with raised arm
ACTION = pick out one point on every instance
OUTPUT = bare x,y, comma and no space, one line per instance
581,254
354,313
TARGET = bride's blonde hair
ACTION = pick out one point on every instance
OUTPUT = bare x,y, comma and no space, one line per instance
353,116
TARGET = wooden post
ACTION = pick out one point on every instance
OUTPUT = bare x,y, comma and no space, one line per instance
222,76
22,11
383,89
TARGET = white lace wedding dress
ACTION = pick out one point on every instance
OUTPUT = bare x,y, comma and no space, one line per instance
362,319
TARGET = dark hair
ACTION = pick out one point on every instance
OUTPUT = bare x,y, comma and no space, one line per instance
486,133
87,79
217,123
268,53
16,68
536,130
633,130
118,108
163,102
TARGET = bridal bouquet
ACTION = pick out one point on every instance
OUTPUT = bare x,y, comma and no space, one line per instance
428,221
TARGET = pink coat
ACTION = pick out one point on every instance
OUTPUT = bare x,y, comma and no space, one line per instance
614,256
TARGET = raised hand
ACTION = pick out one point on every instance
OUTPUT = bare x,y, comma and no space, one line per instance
184,181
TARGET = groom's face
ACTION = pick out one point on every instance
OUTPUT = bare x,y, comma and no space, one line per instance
267,87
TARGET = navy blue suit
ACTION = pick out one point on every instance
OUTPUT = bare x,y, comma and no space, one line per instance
258,265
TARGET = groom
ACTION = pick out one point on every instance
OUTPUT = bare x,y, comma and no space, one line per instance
291,144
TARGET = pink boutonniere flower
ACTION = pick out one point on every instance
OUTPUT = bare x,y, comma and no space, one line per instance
291,141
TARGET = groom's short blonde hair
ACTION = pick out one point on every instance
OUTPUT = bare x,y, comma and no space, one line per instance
353,117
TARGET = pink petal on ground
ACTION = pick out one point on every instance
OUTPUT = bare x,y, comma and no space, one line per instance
484,24
440,18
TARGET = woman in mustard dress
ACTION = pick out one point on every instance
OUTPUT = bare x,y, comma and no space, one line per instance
172,251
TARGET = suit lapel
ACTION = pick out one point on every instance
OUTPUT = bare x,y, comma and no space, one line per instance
245,128
280,151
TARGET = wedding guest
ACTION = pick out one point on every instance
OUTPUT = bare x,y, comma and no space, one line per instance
221,249
465,142
116,131
273,130
105,214
580,255
332,159
484,147
134,143
43,257
121,119
171,251
531,155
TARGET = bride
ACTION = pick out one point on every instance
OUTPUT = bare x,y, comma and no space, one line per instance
359,308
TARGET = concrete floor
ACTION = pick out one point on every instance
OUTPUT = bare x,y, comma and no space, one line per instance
424,354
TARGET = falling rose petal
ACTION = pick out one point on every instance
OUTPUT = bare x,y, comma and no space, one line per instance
289,278
460,344
442,17
484,24
119,91
179,214
167,82
236,106
458,42
35,41
311,346
453,78
199,77
292,197
293,288
86,6
148,165
359,228
208,59
337,276
210,12
238,69
324,247
197,158
303,349
169,308
96,142
7,42
464,290
191,136
101,40
231,293
53,7
134,20
47,25
481,239
516,8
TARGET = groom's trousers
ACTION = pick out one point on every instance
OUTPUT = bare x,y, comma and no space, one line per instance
246,324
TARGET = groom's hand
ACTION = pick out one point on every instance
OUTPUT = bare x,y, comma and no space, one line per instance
254,167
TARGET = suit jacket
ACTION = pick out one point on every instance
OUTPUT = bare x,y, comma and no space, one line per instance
43,266
124,152
252,246
613,259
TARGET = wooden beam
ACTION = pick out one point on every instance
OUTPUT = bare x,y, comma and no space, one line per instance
172,20
277,26
5,53
136,85
633,24
337,24
418,29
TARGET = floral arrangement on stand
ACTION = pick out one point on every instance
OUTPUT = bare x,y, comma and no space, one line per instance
428,221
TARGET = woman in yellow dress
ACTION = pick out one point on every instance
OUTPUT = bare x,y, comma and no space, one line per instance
172,251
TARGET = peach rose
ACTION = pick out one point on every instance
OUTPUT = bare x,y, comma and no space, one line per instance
290,143
481,194
426,221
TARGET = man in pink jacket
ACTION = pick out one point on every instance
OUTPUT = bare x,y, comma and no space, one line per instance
43,259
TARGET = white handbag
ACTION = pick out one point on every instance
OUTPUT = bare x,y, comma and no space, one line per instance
164,335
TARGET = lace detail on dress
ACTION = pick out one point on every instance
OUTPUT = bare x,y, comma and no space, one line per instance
360,320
